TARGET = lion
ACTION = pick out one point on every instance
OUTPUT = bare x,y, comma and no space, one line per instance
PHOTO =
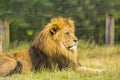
53,47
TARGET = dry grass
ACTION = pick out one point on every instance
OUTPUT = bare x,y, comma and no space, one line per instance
90,55
107,57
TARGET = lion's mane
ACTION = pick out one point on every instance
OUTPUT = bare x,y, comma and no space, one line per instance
46,49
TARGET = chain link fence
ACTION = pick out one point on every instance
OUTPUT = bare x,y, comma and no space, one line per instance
27,17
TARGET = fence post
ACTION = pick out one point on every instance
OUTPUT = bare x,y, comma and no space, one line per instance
4,32
109,29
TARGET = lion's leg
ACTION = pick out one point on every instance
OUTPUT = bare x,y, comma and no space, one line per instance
90,70
6,65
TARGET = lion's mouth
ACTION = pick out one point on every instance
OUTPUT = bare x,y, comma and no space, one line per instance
73,47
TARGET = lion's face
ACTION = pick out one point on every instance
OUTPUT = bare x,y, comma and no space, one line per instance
69,40
64,32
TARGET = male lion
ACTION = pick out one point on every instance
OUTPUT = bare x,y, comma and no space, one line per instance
54,47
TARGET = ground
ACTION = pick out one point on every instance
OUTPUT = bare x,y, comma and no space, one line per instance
90,55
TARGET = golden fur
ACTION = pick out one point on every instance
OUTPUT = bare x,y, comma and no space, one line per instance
54,47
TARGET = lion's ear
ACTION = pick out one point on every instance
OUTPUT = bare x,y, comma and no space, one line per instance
54,29
70,22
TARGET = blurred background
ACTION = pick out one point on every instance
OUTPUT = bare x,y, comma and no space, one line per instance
21,20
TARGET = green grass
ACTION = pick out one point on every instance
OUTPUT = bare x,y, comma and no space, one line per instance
90,55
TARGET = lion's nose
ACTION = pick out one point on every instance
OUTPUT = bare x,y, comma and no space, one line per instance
75,39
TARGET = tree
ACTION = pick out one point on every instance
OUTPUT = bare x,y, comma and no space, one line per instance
31,15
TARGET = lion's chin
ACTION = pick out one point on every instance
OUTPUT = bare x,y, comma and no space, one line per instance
73,48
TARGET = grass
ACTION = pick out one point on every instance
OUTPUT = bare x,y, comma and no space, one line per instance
90,55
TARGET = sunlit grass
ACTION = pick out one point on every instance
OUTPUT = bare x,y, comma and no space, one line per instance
90,55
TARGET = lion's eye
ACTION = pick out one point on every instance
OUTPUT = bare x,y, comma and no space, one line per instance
67,33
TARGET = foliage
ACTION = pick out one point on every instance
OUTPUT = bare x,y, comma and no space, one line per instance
89,16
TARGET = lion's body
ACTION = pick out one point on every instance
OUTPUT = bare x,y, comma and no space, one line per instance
51,48
15,62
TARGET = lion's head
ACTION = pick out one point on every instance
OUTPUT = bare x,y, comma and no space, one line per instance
58,39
